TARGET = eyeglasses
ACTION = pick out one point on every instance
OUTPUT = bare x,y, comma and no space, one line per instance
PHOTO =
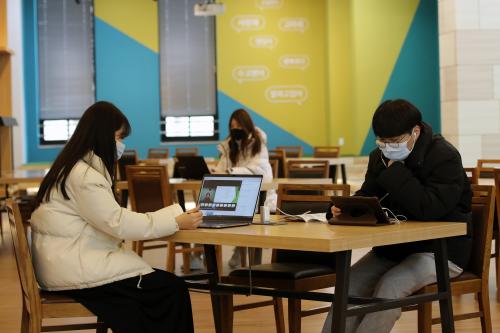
382,144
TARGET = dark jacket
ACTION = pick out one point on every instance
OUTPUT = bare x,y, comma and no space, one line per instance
430,185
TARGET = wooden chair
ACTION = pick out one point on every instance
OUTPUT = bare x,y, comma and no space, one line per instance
474,279
294,270
307,169
187,151
149,191
496,231
485,167
129,157
279,156
326,151
39,304
473,175
157,153
274,167
291,151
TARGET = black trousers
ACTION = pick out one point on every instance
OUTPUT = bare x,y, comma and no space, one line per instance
161,304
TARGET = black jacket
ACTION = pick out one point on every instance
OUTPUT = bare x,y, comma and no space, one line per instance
430,185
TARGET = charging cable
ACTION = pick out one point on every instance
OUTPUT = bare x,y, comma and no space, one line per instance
396,218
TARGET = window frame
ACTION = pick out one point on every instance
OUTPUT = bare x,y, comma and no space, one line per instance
41,140
188,139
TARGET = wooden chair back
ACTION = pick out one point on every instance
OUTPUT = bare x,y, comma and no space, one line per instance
291,151
158,153
473,175
485,167
187,151
318,201
326,151
274,167
307,169
483,205
129,157
279,156
29,285
149,188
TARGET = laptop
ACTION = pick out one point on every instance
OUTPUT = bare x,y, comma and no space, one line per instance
190,167
365,211
228,200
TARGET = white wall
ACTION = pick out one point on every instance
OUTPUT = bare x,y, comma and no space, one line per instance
15,43
469,36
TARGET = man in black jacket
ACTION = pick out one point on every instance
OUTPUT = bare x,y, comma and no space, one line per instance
417,175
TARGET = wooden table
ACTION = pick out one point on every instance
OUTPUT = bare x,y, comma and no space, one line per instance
19,176
326,238
333,161
194,185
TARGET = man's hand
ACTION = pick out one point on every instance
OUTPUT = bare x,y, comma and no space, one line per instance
336,211
189,220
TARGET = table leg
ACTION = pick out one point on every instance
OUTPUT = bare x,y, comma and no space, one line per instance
344,174
443,282
221,303
343,269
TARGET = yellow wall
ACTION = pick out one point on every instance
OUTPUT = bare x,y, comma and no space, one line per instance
293,27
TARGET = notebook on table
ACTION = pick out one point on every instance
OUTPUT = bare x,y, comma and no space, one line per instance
228,200
190,167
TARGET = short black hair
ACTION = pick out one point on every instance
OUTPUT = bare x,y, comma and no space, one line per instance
394,118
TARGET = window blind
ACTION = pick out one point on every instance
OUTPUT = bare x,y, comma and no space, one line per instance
65,57
187,60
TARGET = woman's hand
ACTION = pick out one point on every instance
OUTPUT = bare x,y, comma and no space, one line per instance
189,220
336,211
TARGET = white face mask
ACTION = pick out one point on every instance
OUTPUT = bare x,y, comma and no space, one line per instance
120,148
396,151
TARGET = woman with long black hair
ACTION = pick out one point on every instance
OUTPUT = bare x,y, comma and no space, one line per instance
78,228
244,151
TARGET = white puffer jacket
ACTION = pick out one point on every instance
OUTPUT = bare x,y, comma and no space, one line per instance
77,243
247,164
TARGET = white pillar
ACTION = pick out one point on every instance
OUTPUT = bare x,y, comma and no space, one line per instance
469,38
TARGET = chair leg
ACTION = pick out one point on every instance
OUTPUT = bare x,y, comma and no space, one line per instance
497,265
243,256
25,321
425,318
186,259
278,314
218,256
294,315
170,266
484,307
140,248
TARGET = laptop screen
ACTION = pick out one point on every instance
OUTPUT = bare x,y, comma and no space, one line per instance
229,195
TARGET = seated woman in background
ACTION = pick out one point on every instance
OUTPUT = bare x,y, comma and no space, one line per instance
244,151
78,228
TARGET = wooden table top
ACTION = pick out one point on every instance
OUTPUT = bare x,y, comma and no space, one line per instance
315,236
189,184
331,160
22,176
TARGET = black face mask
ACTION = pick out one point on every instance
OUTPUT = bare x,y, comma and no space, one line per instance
237,134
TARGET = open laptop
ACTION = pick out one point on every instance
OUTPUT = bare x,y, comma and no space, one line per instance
190,167
228,200
359,211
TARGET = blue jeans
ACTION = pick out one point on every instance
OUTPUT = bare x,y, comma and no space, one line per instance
376,276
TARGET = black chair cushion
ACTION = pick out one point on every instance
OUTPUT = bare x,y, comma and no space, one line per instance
284,271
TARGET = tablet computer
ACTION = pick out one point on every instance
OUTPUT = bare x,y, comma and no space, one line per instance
359,211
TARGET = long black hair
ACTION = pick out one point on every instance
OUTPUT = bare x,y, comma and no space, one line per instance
94,133
252,142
